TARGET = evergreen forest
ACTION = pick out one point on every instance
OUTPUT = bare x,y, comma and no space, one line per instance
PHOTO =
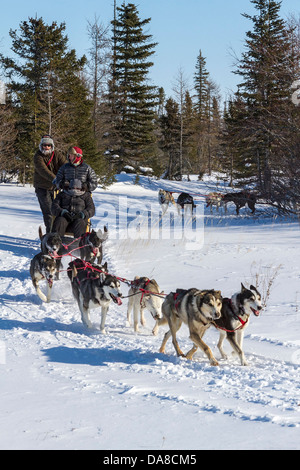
105,103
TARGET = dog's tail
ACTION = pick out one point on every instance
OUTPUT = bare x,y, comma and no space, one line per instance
74,272
40,233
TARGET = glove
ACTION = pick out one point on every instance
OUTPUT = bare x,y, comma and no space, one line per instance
64,184
79,215
67,215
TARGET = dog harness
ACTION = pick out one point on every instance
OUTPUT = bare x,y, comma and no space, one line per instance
243,323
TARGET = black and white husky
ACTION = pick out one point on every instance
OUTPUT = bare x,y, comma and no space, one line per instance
51,245
235,318
43,267
185,201
140,298
92,291
91,245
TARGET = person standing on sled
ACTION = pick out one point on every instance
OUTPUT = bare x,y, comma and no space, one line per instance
46,165
76,169
72,208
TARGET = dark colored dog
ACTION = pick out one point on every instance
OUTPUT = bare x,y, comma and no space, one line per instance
91,245
241,199
94,290
185,199
82,269
51,244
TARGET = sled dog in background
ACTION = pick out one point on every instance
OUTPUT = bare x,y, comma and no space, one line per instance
138,301
164,199
94,291
90,245
235,318
197,309
43,267
214,199
240,199
185,201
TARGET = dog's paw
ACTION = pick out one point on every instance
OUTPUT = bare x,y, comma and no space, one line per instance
155,330
214,363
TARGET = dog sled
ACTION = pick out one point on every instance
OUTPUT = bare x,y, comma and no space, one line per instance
69,234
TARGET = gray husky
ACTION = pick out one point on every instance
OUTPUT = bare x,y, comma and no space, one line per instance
164,199
198,309
43,267
92,291
140,299
235,318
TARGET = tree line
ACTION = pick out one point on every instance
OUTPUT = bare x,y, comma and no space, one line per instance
104,102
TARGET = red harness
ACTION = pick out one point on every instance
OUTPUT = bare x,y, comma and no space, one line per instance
243,323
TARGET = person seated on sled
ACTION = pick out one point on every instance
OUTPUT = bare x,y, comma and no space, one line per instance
77,169
72,208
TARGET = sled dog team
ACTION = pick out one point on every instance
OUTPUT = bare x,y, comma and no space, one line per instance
185,201
92,287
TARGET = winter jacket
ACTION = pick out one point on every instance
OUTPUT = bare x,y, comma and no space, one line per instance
44,174
82,172
74,204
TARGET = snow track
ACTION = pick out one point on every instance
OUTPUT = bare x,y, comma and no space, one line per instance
66,387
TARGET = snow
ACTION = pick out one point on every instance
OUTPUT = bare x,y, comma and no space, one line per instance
66,387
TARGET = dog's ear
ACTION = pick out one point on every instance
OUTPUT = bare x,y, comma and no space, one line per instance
253,288
104,266
105,228
243,288
218,294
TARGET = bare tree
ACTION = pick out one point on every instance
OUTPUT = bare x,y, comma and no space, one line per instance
180,88
98,64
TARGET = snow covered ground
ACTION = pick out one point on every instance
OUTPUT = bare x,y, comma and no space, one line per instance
64,387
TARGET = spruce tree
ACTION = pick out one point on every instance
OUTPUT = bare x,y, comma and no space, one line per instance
266,70
201,84
132,98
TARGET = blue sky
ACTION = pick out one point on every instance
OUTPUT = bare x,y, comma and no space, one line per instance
180,27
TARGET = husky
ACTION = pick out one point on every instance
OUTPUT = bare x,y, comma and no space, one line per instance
164,199
82,269
240,199
185,201
92,291
196,308
51,244
140,299
235,318
91,245
43,267
214,199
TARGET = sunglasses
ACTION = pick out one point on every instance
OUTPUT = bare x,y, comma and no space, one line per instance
47,145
